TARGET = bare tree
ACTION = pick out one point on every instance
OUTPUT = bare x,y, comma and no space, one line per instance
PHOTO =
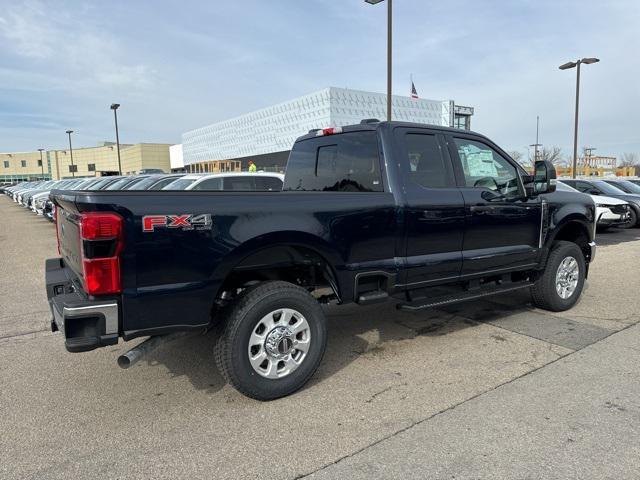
629,159
515,154
553,155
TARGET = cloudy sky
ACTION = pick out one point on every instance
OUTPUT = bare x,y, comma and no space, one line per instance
175,66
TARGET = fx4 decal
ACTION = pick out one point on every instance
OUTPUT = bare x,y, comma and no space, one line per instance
184,222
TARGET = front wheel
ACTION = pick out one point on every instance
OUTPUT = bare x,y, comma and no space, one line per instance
632,220
561,283
273,339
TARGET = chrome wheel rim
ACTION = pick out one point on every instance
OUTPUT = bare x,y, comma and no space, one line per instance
279,343
567,277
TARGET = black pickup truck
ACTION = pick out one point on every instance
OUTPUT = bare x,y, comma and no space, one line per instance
426,216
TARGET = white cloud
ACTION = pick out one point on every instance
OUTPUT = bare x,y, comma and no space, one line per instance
72,50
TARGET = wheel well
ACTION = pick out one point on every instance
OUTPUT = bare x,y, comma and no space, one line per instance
577,233
290,263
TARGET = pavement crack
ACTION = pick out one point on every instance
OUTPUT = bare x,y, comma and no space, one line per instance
384,390
22,334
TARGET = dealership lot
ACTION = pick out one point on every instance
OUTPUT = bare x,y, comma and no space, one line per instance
394,389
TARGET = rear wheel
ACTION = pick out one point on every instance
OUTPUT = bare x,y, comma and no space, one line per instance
561,283
273,339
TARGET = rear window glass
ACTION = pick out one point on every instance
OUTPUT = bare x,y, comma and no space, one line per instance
347,162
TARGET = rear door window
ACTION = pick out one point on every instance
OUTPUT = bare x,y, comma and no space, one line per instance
425,162
209,184
244,183
346,162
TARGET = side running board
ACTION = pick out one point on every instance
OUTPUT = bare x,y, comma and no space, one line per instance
435,302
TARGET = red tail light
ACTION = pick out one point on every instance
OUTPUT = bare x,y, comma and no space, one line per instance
102,242
328,131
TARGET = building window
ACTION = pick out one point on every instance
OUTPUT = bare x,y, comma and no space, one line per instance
463,122
23,163
6,164
91,167
39,163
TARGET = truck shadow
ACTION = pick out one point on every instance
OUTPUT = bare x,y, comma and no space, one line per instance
354,331
616,236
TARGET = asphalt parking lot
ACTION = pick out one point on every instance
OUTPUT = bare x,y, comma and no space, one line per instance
491,389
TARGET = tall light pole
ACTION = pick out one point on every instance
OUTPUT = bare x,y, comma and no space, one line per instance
389,23
73,173
41,162
567,66
537,144
114,107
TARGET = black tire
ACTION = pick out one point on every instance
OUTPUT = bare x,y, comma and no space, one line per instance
239,322
544,291
633,220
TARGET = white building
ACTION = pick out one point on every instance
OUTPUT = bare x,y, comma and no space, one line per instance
176,158
268,134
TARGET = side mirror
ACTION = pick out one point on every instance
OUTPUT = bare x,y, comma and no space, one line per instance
544,177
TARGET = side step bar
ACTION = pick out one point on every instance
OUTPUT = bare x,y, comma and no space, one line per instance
425,303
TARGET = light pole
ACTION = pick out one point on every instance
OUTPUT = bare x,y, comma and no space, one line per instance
73,173
567,66
537,144
41,162
114,107
389,23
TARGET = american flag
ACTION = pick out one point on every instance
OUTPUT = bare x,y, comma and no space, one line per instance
414,92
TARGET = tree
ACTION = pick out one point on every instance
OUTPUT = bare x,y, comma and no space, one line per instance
518,157
553,155
629,159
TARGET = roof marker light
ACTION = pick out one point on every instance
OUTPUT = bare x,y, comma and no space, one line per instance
328,131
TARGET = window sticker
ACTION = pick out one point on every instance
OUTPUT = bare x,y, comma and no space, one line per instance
479,163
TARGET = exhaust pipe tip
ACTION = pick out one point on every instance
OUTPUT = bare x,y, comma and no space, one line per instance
124,361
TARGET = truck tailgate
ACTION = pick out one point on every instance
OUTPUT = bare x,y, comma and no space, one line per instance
68,231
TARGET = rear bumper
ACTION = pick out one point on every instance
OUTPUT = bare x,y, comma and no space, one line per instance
86,324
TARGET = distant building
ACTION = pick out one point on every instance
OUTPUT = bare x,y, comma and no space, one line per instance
267,135
103,160
87,162
18,166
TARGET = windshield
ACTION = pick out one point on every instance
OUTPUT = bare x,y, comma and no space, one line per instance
143,184
606,188
180,184
628,186
100,183
565,188
119,184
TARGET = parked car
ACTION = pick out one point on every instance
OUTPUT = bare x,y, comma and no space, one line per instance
600,187
25,195
447,216
39,200
243,181
610,211
238,181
